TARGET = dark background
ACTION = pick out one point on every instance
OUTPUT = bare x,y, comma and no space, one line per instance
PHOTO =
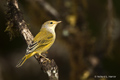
87,44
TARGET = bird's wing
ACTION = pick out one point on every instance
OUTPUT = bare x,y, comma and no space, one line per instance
42,39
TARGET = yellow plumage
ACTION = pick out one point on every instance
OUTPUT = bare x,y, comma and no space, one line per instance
42,41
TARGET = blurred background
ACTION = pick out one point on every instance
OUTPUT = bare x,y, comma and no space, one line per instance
87,45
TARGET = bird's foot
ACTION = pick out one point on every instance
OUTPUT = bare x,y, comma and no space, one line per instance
46,59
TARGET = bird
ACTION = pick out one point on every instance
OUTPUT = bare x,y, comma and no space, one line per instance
42,41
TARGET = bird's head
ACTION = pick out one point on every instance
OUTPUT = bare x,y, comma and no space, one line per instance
50,24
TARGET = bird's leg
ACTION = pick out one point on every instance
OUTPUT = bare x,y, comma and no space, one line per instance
45,58
46,52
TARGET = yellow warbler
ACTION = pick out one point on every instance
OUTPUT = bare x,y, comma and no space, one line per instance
42,41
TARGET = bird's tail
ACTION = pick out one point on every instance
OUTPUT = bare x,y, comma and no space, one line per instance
25,58
22,61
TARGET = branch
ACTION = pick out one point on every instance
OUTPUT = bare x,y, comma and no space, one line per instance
110,26
48,8
15,20
110,18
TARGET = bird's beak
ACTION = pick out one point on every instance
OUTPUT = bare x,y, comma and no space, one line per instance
59,21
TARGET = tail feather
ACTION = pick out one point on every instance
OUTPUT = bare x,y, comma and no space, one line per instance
25,58
22,61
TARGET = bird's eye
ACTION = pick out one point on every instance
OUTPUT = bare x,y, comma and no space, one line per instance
51,22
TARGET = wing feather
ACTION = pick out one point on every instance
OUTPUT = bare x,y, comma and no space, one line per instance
42,39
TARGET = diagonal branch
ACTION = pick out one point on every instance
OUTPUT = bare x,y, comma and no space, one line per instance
16,21
48,8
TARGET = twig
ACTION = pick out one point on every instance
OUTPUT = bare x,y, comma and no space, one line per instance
15,19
